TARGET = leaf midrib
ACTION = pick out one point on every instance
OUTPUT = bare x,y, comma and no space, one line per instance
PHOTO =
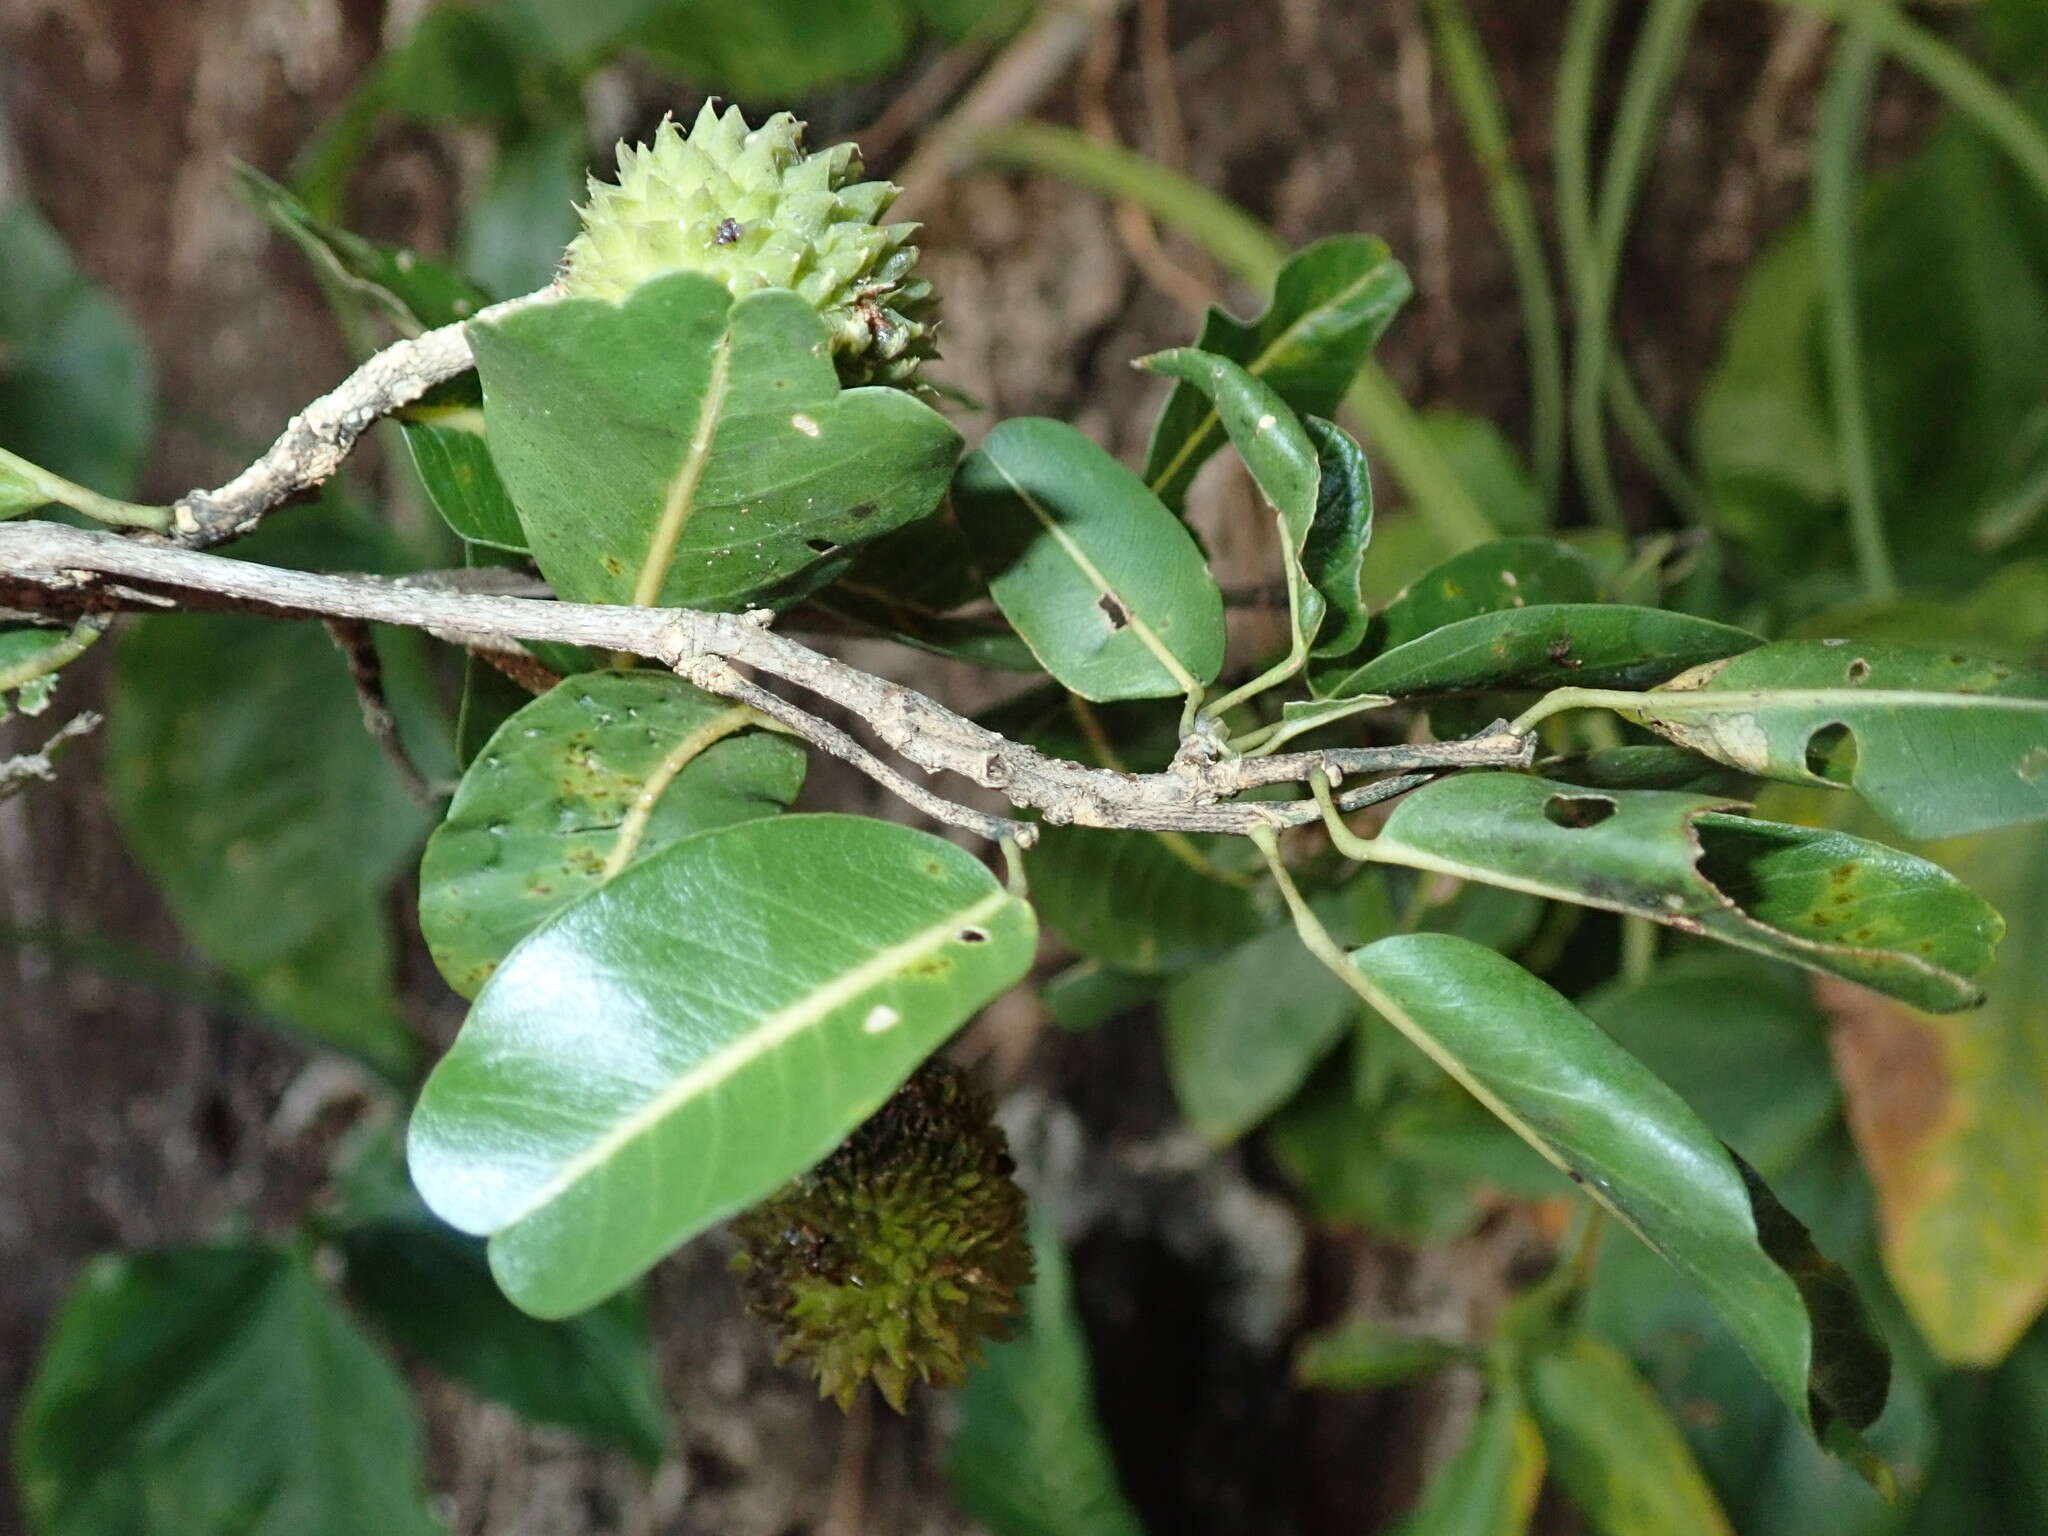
1722,701
770,1031
681,500
1147,636
633,825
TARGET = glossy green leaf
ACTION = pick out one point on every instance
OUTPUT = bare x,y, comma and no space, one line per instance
1331,301
1772,1478
1824,900
687,449
76,395
1135,901
1545,645
1939,745
1359,1354
1489,1488
1489,578
1284,462
1614,1448
444,432
1244,1031
413,291
256,800
1550,1073
1678,1022
1105,585
603,771
1451,1135
1334,556
681,1041
1029,1458
429,1289
194,1391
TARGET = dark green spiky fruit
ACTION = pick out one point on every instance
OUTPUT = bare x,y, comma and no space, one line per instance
894,1259
753,210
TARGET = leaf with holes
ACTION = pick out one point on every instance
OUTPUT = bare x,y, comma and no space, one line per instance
600,772
1105,585
1824,900
1565,1087
1614,1448
213,1390
677,1044
1938,744
1143,903
685,448
1489,1487
1545,645
1331,301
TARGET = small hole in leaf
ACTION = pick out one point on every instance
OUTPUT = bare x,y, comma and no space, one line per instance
1831,754
820,546
973,935
1859,670
1577,810
1113,610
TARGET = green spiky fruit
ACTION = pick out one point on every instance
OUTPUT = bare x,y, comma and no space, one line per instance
894,1259
753,210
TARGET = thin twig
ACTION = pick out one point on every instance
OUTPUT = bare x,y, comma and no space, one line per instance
314,443
366,671
1194,795
40,766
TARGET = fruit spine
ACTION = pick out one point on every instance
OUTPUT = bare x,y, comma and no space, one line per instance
753,210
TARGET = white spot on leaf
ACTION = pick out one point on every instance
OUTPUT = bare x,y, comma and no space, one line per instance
880,1018
1268,422
804,424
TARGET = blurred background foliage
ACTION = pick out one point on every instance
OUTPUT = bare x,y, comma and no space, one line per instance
1915,411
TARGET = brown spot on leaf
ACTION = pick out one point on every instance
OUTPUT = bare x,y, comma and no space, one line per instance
1113,610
